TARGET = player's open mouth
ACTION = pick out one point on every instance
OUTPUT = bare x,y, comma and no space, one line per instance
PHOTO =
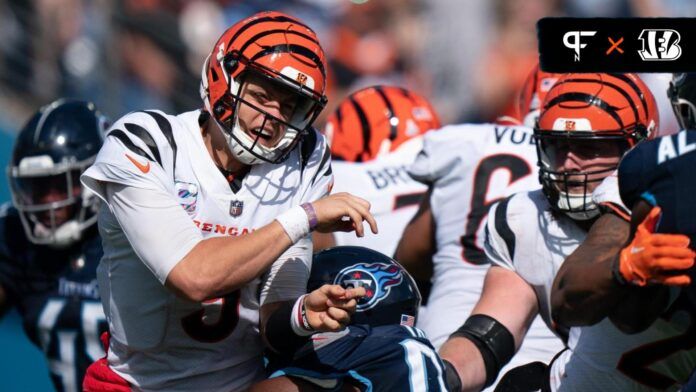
262,133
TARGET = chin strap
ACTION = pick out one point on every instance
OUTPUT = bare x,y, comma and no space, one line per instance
65,235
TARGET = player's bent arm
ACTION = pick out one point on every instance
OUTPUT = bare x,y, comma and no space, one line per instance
507,301
417,244
219,265
584,290
165,238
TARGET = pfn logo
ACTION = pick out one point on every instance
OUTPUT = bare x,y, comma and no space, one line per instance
659,45
575,43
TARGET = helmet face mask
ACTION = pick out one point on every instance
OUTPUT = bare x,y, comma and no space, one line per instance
54,208
681,89
587,123
280,55
51,152
593,158
256,132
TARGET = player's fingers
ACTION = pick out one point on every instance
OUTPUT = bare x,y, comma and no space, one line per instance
651,220
672,252
676,240
356,219
339,315
335,291
328,324
355,292
678,280
672,263
364,211
346,304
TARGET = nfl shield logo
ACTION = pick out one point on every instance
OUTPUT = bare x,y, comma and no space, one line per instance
236,208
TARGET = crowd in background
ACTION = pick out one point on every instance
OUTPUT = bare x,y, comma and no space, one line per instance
467,56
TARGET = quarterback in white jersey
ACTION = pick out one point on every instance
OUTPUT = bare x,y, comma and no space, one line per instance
375,133
206,220
468,168
529,236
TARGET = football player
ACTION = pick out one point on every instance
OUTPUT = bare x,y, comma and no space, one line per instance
587,122
468,168
374,134
627,280
49,244
380,350
207,217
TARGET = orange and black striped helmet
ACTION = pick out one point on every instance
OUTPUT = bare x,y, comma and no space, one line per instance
377,120
589,114
282,50
528,101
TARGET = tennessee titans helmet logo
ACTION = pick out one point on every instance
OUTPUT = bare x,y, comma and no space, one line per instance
376,278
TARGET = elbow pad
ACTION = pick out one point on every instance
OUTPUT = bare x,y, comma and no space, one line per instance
493,340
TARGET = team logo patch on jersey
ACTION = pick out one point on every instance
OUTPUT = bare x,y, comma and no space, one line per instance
376,278
236,208
187,194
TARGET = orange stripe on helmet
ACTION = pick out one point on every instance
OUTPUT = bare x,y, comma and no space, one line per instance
377,120
608,102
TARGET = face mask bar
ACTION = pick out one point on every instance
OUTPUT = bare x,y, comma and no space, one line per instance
40,219
307,107
570,191
685,112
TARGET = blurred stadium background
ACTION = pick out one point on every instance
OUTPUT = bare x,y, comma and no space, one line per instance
467,56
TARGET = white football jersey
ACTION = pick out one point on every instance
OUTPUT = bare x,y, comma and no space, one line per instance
158,340
470,167
393,195
527,237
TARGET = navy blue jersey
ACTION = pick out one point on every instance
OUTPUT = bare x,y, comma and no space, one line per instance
56,293
663,173
385,358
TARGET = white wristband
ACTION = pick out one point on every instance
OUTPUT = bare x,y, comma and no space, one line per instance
296,319
295,223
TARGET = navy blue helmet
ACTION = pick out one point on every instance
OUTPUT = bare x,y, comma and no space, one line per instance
51,152
682,94
392,295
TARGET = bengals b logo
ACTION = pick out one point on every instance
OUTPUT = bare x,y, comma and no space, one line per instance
301,78
659,45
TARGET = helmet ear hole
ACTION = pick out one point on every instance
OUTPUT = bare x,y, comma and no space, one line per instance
218,109
231,62
640,133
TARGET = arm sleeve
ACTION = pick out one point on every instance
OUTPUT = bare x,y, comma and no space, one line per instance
160,232
287,277
317,176
498,246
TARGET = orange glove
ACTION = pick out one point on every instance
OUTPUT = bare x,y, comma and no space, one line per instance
656,258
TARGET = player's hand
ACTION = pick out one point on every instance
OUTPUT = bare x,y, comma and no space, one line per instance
343,212
330,306
656,258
